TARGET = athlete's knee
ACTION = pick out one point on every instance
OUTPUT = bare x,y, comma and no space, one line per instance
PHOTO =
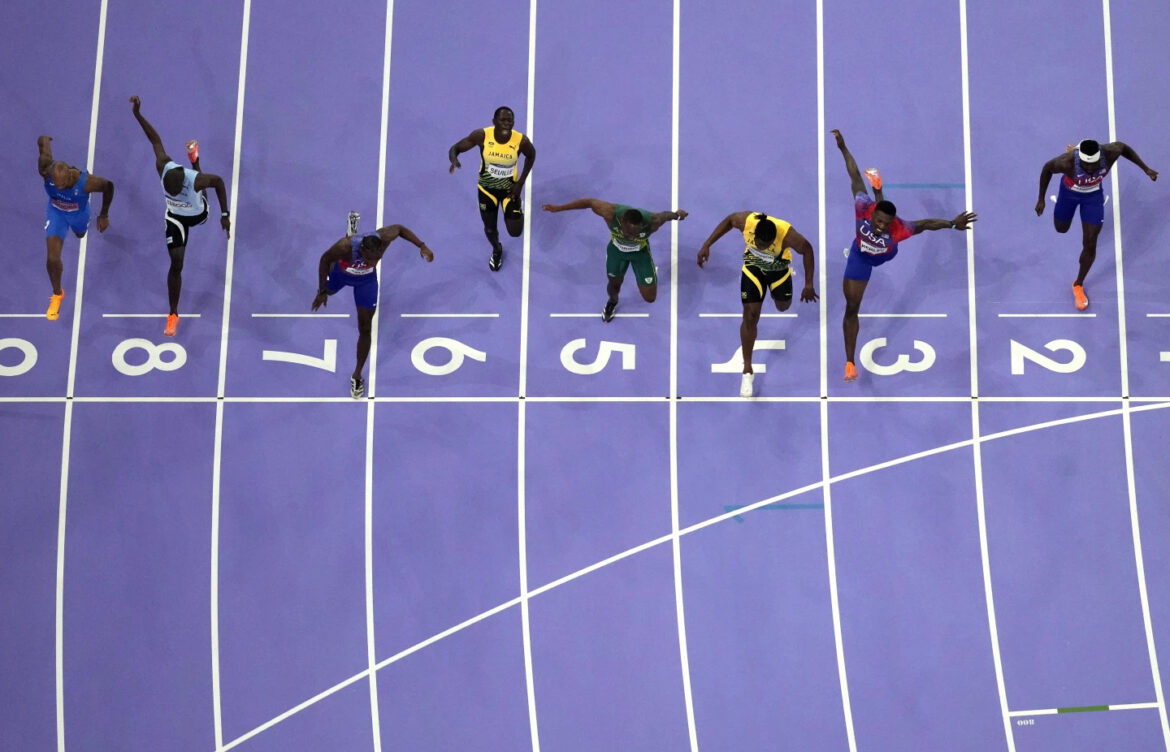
365,327
1061,227
515,228
649,294
852,308
782,304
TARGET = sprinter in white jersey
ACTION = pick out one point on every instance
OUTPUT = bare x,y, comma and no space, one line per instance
186,207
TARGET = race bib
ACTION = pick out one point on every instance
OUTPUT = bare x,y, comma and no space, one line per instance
501,171
359,271
627,246
871,249
761,255
66,206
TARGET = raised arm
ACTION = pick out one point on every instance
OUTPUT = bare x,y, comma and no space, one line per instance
800,244
44,155
1125,150
603,209
94,184
960,222
856,184
390,232
736,220
206,180
160,155
475,138
336,252
658,219
1055,166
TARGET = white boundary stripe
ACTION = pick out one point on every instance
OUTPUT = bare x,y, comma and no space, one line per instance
300,315
676,548
902,315
449,315
1046,315
830,551
217,453
368,524
521,407
737,512
1148,315
976,428
1054,711
148,316
66,434
1127,428
740,315
24,315
597,315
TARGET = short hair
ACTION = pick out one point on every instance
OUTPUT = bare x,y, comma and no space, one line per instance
765,230
371,244
1088,147
173,180
632,216
500,110
887,207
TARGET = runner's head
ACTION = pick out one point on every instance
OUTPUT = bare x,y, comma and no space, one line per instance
765,231
503,120
173,180
59,174
1089,151
631,223
371,248
883,215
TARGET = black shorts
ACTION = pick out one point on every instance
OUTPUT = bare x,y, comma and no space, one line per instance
754,280
491,199
177,226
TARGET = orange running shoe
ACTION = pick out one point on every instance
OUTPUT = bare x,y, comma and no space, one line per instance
850,372
172,324
55,306
1079,296
193,151
875,178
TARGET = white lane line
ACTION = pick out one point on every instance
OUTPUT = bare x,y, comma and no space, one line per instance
24,315
738,511
976,428
301,316
902,315
1046,315
66,435
740,315
217,453
676,549
1158,315
597,315
449,315
1055,711
149,316
521,407
1126,423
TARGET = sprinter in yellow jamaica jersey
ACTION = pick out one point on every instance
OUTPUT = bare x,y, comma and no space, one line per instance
499,188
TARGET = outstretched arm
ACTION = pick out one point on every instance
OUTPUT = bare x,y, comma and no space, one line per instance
529,152
336,252
731,220
960,222
390,232
800,244
45,155
207,180
856,184
1128,152
94,184
160,154
660,218
603,209
475,138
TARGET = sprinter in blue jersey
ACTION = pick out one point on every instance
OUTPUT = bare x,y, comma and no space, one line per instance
353,262
68,188
186,207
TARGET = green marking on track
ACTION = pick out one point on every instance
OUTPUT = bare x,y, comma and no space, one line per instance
1083,709
774,507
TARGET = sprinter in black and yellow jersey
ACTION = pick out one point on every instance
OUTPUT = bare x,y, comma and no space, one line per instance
767,263
629,245
499,188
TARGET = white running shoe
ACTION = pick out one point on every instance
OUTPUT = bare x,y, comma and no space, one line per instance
745,385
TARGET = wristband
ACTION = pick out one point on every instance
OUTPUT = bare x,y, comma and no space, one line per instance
225,214
953,227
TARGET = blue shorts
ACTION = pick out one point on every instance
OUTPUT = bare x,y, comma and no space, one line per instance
860,265
365,286
58,222
1092,206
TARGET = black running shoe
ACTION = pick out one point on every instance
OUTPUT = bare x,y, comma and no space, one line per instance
497,259
607,312
357,388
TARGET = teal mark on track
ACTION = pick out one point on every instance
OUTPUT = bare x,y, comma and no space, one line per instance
773,507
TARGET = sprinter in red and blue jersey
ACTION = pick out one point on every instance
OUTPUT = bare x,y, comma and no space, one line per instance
1083,168
878,230
68,188
353,262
